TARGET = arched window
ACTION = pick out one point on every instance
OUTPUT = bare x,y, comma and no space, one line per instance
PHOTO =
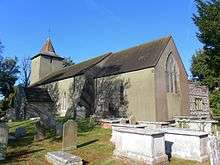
172,75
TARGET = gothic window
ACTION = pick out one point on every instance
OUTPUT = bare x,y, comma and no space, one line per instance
172,75
198,104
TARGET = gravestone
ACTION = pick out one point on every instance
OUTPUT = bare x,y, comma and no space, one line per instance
69,135
20,132
41,132
123,121
59,129
3,140
132,120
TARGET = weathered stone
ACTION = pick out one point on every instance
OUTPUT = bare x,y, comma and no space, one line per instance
123,121
186,144
63,158
197,91
3,140
132,120
20,132
41,132
154,125
214,150
107,123
69,135
139,144
59,129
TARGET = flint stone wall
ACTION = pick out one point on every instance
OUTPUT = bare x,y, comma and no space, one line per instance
202,92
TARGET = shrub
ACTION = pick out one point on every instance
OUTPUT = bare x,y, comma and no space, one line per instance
215,102
85,124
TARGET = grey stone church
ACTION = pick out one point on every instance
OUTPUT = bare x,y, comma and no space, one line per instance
148,81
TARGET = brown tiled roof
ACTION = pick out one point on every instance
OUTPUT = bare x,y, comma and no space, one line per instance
135,58
71,71
139,57
37,95
48,46
48,51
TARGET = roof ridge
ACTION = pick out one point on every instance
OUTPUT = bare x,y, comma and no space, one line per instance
60,71
145,43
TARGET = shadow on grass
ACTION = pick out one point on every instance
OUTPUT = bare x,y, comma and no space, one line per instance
19,156
56,139
87,143
21,142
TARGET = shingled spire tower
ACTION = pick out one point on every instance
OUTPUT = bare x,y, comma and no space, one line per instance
45,62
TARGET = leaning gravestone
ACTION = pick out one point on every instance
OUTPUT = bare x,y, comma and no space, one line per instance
69,135
3,140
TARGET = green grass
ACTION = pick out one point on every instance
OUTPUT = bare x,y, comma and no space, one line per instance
94,148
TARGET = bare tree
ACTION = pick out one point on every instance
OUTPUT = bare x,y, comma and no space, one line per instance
68,62
25,71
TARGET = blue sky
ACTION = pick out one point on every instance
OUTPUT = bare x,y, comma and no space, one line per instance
86,28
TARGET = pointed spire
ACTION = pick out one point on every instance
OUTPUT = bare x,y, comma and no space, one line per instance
48,50
48,46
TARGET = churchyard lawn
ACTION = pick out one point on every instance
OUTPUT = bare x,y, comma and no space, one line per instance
93,146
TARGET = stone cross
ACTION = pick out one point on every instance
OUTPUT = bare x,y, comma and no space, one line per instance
69,135
3,140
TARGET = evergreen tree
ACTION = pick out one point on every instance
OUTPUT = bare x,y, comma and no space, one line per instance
207,20
206,63
8,77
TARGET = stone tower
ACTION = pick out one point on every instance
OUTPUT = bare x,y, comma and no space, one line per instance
45,62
